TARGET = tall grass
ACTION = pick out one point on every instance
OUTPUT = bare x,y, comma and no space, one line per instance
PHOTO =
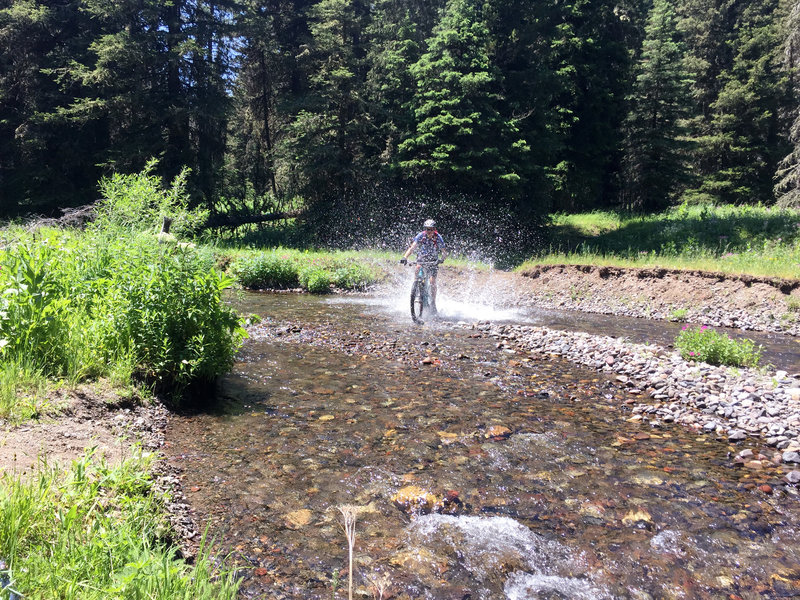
753,240
90,534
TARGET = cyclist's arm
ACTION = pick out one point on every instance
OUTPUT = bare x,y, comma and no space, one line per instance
411,249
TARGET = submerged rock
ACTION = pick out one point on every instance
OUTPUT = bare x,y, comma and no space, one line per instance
414,499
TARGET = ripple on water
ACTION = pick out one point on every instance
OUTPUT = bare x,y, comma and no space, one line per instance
489,548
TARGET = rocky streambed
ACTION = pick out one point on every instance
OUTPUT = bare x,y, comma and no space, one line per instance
733,403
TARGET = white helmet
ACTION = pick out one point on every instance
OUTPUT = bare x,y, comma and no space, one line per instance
429,224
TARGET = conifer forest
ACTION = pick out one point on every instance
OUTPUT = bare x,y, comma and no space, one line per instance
504,108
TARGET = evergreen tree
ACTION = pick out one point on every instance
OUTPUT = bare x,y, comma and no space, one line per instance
395,44
736,128
269,81
461,138
43,163
591,56
787,187
654,164
326,139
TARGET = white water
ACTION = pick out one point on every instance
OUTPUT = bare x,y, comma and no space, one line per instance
486,546
469,302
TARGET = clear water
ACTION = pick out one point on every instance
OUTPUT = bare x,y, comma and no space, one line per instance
341,401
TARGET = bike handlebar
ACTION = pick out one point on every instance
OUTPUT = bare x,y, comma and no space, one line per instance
424,263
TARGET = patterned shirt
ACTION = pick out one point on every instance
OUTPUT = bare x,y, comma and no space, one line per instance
428,248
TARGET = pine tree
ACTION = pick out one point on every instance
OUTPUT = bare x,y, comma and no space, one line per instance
590,53
37,41
461,138
787,187
654,164
740,91
269,80
395,44
326,140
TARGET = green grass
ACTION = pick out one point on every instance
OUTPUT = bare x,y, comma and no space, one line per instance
753,240
90,534
23,390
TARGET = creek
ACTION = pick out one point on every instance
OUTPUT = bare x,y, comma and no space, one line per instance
528,479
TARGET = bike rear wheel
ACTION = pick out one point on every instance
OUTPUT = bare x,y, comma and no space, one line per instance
418,301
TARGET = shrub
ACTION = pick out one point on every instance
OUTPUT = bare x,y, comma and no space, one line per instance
679,314
33,307
353,276
268,270
164,310
89,305
704,344
139,202
315,279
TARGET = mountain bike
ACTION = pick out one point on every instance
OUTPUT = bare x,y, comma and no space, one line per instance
421,300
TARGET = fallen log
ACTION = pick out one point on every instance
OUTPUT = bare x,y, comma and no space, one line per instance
236,220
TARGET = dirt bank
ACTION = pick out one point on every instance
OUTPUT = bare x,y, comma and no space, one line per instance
714,299
114,425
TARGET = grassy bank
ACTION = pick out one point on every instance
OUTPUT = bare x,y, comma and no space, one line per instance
96,532
121,302
751,240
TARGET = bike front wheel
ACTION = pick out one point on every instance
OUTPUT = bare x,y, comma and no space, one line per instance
418,301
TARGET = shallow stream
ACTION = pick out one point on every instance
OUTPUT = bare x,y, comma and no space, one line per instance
527,478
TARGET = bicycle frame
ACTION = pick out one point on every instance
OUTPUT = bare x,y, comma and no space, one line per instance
421,291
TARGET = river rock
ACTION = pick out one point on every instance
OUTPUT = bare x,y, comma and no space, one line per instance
414,499
792,457
498,432
637,517
793,477
298,518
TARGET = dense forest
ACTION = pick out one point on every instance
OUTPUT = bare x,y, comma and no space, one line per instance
505,108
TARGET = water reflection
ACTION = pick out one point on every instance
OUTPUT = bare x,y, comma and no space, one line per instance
572,502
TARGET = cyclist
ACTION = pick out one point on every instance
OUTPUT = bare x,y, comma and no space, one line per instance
429,245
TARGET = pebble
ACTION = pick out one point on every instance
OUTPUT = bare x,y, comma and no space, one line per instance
793,477
734,403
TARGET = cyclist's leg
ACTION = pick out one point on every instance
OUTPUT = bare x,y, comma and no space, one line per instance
433,293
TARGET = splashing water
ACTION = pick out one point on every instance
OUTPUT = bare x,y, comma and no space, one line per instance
468,301
489,547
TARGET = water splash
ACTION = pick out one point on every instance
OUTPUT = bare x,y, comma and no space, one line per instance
490,547
467,301
527,586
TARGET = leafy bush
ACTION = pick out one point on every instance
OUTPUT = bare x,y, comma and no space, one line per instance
78,306
704,344
282,268
139,202
315,279
112,301
266,271
33,307
167,311
353,276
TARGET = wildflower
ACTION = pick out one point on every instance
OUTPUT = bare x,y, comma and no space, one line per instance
691,353
703,328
